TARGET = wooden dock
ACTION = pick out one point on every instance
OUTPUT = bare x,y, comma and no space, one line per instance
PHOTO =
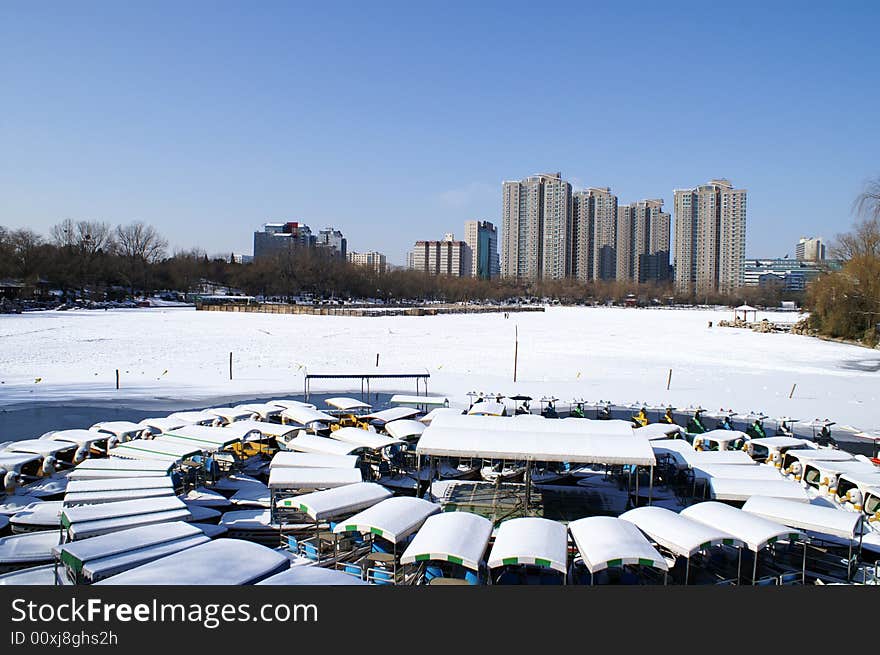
366,310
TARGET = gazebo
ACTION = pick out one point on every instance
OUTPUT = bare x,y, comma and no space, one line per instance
745,310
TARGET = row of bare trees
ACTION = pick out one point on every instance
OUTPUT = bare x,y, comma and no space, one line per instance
846,303
96,256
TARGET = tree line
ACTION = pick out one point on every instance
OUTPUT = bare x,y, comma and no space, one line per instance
133,259
845,304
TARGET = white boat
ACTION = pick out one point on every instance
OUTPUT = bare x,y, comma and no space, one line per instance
114,467
37,517
256,525
449,545
92,520
228,415
405,429
204,497
392,414
312,576
92,492
298,479
162,424
310,419
218,562
122,430
262,411
201,417
252,496
89,441
46,575
529,550
284,459
348,405
606,543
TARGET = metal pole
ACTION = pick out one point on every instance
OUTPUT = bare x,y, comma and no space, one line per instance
755,569
804,566
117,378
637,486
230,366
687,570
651,487
515,350
739,558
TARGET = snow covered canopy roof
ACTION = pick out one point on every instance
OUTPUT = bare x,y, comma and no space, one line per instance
737,471
530,540
219,562
213,438
116,467
404,428
118,484
754,531
427,401
77,553
230,414
658,430
10,461
605,541
91,520
392,519
118,428
740,490
535,446
307,415
817,454
285,404
312,478
286,459
780,442
437,411
262,410
678,534
41,447
487,408
532,423
825,520
392,414
341,501
202,416
457,537
265,429
685,454
363,438
347,404
721,436
312,575
156,449
162,424
309,443
79,437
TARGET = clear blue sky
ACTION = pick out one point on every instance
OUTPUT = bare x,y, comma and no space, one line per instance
399,121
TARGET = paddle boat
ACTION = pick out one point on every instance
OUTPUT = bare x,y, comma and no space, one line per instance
529,550
611,551
449,548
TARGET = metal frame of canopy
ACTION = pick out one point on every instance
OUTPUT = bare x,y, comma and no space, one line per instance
365,379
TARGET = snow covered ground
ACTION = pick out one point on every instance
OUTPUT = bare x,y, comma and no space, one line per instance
170,357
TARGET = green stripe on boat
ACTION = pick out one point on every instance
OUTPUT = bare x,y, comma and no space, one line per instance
376,531
423,558
615,562
708,544
727,542
646,562
351,528
454,560
510,560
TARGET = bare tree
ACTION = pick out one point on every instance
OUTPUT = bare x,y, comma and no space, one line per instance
137,241
867,204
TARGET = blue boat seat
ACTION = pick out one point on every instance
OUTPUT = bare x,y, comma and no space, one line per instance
471,577
432,572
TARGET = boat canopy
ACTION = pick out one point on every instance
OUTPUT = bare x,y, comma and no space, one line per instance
10,461
754,531
530,540
38,515
312,478
805,516
203,436
347,404
419,401
310,443
161,424
678,534
114,467
819,454
91,520
533,423
230,414
76,555
736,471
861,478
266,429
307,415
312,575
218,562
606,541
535,446
392,414
197,417
685,454
741,490
79,437
457,537
166,450
286,404
46,576
287,459
404,428
262,410
654,431
775,443
29,548
119,484
487,408
428,418
42,447
119,429
393,519
364,438
341,501
97,497
721,436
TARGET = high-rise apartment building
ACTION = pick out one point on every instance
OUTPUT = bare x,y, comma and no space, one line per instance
332,240
710,238
651,238
810,249
536,227
282,237
374,260
446,257
481,238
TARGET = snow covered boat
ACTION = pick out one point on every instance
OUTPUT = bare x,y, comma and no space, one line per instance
25,550
122,430
529,550
448,546
613,551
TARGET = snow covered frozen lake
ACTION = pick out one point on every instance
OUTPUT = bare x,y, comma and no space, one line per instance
178,357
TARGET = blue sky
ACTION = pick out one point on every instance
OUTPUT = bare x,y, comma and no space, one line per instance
399,121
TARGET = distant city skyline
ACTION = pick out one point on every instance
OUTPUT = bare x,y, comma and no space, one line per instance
408,119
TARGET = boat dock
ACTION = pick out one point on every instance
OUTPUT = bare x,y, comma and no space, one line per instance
367,310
